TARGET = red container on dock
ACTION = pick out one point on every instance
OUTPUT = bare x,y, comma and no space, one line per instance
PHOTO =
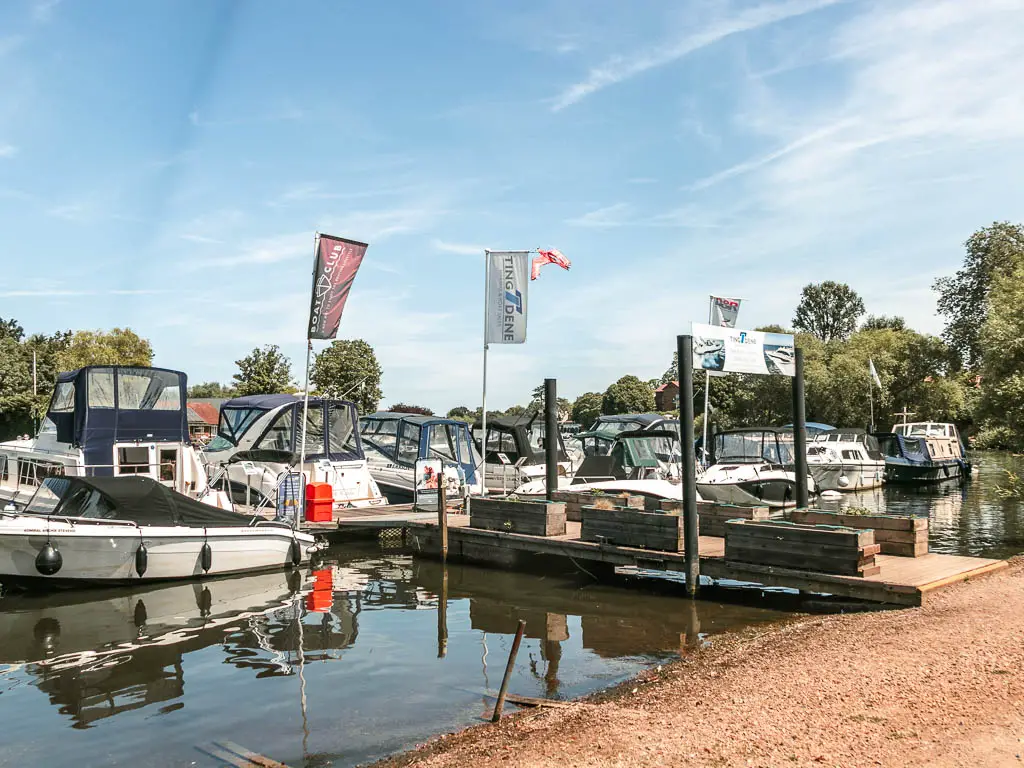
319,502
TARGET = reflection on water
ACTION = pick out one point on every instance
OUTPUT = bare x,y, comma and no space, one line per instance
965,519
355,661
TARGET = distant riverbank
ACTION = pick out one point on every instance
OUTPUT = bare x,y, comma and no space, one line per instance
939,685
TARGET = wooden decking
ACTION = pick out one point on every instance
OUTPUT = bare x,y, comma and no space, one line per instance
902,580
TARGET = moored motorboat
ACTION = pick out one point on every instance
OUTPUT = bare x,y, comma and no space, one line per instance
752,466
845,460
923,452
515,452
77,531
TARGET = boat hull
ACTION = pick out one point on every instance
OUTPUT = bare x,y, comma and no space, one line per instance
107,554
912,473
768,492
847,477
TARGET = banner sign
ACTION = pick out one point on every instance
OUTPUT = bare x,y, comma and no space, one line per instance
337,261
508,275
429,473
724,311
733,351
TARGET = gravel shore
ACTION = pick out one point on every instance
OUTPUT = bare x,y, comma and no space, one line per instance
941,685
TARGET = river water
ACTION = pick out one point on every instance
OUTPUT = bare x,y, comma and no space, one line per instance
357,661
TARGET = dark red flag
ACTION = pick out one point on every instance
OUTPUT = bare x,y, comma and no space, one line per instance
337,261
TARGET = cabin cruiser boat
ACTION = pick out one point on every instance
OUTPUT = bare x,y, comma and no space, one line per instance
752,466
82,530
599,439
110,421
923,452
845,460
395,441
640,462
515,452
258,444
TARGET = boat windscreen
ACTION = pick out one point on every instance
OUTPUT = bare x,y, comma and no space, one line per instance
47,496
752,447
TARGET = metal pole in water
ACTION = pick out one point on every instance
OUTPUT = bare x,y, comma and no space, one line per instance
800,431
500,704
691,553
551,436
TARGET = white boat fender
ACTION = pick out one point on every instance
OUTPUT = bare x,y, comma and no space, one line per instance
141,560
49,560
295,552
831,495
206,557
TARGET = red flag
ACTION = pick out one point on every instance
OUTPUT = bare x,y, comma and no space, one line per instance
554,256
337,261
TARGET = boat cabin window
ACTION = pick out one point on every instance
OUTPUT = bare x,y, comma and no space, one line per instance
384,435
234,422
63,398
467,449
139,389
3,468
47,427
342,433
47,496
278,436
314,431
87,502
32,472
218,443
168,464
502,442
443,442
101,388
133,460
852,455
409,443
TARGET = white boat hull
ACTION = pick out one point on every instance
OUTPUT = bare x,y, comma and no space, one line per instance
99,553
847,477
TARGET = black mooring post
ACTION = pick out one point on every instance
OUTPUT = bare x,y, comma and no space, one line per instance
800,431
684,345
551,435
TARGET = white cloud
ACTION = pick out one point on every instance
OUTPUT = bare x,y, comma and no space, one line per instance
609,216
620,68
461,249
8,150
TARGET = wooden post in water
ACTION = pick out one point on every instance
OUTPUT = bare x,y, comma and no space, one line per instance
500,704
691,540
442,614
551,436
800,432
442,513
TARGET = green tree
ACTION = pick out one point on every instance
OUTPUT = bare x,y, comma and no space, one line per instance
586,409
881,322
1001,408
628,395
212,389
263,372
118,346
15,389
964,297
462,413
829,310
349,369
10,329
405,408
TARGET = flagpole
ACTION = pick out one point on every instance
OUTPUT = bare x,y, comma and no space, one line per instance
707,397
483,410
305,389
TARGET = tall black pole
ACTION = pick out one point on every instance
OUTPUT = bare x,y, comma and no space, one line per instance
684,345
800,431
551,435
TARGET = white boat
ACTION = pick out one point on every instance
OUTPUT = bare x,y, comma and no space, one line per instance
109,530
258,442
394,442
110,421
515,452
752,466
845,460
923,452
644,463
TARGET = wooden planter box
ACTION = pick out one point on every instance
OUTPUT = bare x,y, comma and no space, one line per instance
576,500
821,548
536,518
712,515
902,535
626,527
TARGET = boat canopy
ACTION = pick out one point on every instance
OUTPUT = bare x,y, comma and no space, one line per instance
140,500
517,437
94,407
814,427
406,437
599,438
279,442
633,453
754,445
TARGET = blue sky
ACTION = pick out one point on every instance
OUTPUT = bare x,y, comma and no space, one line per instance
164,165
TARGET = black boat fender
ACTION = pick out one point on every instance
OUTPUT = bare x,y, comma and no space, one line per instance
295,553
206,555
49,560
141,559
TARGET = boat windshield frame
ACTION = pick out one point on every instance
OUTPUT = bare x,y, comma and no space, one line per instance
772,447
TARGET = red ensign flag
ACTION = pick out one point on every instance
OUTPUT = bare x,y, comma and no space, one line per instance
554,256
